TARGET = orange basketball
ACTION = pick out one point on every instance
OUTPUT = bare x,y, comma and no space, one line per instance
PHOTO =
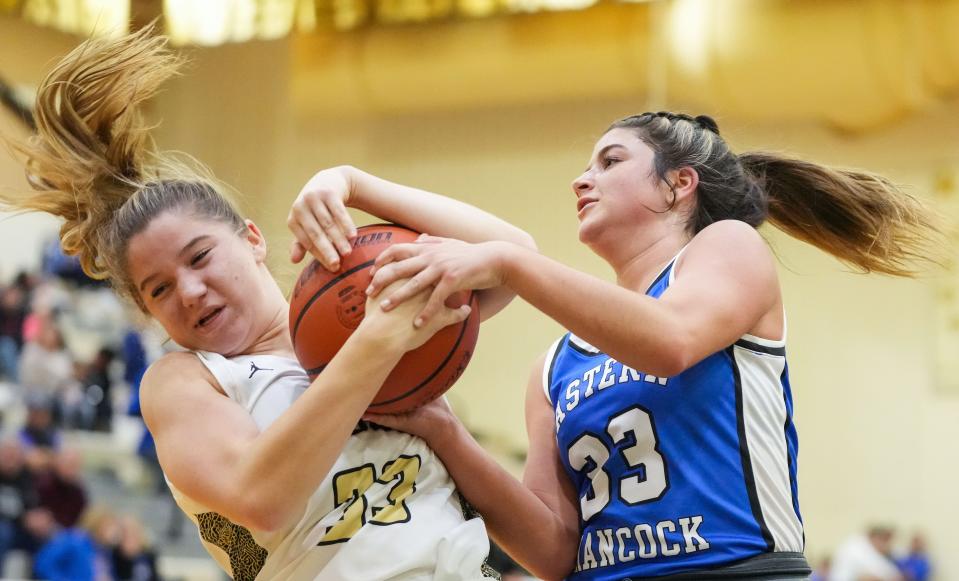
327,306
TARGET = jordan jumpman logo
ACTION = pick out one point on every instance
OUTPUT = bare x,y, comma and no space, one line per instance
254,369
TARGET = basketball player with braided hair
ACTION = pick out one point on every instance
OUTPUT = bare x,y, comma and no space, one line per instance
280,476
661,438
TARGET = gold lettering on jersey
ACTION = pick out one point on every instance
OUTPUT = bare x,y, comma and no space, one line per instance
349,487
403,472
353,488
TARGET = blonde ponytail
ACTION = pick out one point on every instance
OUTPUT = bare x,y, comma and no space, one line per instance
92,150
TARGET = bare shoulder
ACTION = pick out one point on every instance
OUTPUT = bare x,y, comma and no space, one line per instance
173,364
731,244
182,406
729,232
173,380
536,371
537,374
536,388
171,370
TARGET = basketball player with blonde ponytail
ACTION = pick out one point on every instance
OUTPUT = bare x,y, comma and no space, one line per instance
662,444
280,476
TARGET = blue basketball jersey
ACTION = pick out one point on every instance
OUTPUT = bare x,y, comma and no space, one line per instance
680,473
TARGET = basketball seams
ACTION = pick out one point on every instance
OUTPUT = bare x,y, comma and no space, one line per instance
306,307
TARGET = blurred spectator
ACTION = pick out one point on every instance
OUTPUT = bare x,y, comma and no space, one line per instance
39,430
134,357
61,489
134,366
47,300
46,367
55,262
13,311
17,496
14,307
26,282
24,525
96,316
98,393
133,560
38,528
821,572
916,565
866,558
83,553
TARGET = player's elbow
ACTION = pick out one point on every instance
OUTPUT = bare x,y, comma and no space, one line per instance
558,565
559,559
264,513
524,239
264,518
666,360
552,572
674,362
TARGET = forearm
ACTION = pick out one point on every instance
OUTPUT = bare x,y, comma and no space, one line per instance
428,212
629,326
520,521
310,435
439,216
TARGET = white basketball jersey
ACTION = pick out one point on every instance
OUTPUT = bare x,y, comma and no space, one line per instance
388,509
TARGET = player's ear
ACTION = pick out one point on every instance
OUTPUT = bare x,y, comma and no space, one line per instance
256,240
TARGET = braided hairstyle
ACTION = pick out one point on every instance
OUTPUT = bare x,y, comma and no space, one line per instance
860,218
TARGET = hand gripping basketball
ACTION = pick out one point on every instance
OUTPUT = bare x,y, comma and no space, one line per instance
326,308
